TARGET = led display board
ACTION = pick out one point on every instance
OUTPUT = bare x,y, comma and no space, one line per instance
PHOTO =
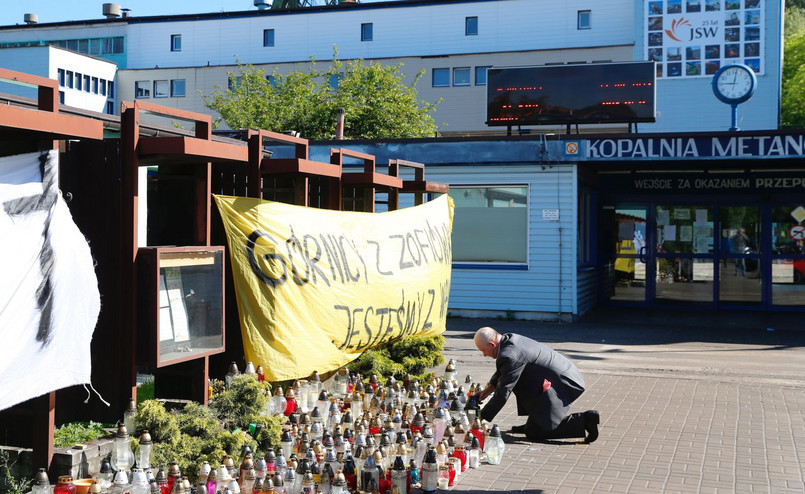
571,94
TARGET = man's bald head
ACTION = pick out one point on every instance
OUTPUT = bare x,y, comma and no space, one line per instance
487,341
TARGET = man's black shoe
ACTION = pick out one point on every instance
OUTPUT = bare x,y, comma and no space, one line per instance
518,429
591,420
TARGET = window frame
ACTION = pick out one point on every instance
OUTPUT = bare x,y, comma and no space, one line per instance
234,82
582,14
484,69
433,76
367,31
176,42
493,242
268,38
471,26
164,92
87,83
143,87
469,75
173,93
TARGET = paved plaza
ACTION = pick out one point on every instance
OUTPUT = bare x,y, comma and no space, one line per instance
700,403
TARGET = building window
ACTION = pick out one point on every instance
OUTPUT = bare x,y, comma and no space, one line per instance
335,79
69,80
102,86
584,19
110,90
366,31
110,107
484,215
461,76
471,26
95,85
87,87
161,89
61,97
178,88
234,82
61,77
78,80
441,77
268,37
272,80
176,42
142,89
480,76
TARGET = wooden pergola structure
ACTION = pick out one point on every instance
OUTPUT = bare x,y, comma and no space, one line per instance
103,174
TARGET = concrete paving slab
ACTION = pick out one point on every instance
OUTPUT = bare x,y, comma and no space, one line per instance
691,403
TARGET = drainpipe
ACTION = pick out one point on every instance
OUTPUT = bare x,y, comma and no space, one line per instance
339,125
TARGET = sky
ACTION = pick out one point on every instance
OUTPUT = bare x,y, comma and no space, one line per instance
13,11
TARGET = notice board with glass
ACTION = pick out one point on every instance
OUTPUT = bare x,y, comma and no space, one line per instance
181,301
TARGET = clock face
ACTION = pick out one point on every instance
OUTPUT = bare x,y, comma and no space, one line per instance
734,83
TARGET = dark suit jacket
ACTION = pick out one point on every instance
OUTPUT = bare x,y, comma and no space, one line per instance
522,366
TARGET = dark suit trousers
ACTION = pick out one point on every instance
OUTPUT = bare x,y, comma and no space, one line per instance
549,419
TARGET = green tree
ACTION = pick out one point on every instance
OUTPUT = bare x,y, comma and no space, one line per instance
794,18
792,104
377,101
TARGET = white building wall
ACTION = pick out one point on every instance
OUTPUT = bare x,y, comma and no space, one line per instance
546,286
426,36
82,65
399,30
462,109
46,61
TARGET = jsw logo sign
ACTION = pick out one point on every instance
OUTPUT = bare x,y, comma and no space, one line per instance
679,26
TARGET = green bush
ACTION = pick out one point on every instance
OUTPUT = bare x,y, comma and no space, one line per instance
270,434
74,433
9,483
161,424
197,433
409,355
243,403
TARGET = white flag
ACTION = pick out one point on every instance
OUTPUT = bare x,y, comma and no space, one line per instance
49,299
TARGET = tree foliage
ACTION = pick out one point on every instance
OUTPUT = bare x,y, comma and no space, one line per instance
793,82
377,101
794,18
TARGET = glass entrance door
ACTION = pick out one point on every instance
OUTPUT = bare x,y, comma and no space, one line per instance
711,256
740,249
627,252
685,267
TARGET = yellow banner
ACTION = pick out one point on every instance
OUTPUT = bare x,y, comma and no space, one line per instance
315,287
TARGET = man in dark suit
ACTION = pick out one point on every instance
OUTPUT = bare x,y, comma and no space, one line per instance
544,381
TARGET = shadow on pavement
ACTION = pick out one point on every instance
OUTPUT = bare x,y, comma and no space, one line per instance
625,326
